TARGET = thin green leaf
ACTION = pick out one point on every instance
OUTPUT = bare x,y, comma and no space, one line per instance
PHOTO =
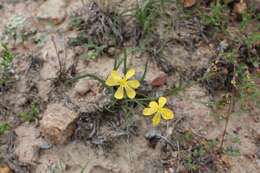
91,76
145,71
125,61
119,63
115,64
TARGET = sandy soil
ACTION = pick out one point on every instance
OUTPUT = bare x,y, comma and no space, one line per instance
111,148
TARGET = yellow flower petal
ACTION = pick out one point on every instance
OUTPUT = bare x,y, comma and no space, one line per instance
115,75
119,93
149,111
130,92
113,79
167,114
153,104
133,83
156,119
162,101
130,73
111,82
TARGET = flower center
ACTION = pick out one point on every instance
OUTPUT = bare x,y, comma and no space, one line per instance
123,82
160,110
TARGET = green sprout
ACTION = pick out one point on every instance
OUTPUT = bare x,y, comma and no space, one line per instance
5,64
31,115
4,127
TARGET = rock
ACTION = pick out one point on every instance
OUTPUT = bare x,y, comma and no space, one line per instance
27,144
159,81
52,10
57,124
5,169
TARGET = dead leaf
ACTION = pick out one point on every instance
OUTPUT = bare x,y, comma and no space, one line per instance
159,81
5,169
188,3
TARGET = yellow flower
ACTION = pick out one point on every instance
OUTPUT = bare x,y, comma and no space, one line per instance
125,85
159,111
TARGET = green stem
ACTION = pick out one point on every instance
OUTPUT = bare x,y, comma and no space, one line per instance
141,99
93,77
145,71
125,62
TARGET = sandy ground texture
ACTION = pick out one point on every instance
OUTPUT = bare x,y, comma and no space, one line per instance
73,134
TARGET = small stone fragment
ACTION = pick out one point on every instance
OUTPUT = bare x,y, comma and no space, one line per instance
159,81
57,124
52,10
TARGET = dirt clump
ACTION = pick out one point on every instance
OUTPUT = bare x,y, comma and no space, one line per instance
57,123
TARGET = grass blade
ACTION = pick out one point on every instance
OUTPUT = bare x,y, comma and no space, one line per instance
145,71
